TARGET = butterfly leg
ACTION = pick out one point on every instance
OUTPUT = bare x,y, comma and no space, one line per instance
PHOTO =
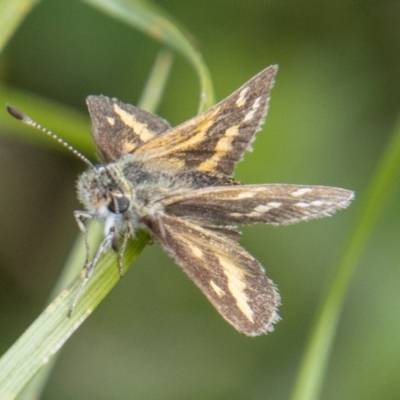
127,234
89,266
79,217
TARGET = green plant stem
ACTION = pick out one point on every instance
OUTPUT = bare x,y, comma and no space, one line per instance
48,333
153,22
12,13
314,365
71,269
150,98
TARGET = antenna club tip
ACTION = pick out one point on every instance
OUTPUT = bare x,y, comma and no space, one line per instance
15,112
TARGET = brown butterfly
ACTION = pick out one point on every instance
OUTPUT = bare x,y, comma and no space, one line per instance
177,184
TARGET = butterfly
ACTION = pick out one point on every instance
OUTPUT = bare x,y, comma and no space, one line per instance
176,183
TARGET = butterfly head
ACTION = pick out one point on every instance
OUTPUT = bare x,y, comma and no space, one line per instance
104,190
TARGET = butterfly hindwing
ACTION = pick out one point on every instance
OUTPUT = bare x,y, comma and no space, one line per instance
230,277
120,128
216,140
247,204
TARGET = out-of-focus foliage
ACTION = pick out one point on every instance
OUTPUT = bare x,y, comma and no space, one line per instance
333,108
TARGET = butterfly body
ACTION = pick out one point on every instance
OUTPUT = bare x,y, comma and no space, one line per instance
142,184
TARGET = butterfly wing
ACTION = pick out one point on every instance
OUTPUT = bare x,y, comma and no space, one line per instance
246,204
230,277
120,128
216,140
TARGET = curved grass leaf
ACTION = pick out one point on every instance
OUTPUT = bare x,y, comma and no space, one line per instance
150,98
12,13
314,363
48,333
156,24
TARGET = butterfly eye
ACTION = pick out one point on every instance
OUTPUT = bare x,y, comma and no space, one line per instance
119,204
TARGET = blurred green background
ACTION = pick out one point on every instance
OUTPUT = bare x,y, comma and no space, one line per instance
333,111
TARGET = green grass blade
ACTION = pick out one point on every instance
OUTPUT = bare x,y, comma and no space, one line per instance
71,269
44,338
314,365
154,23
12,13
156,83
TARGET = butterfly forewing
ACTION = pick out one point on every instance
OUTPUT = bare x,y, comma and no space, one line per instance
216,140
230,277
247,204
120,128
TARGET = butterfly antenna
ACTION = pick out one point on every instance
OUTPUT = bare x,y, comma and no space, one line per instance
28,121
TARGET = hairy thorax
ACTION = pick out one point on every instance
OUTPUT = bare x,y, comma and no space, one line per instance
129,189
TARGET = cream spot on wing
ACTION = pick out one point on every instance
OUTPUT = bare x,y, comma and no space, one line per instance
139,128
318,203
301,192
217,289
235,215
245,195
249,116
253,214
241,101
128,147
146,135
274,204
178,142
195,251
111,121
176,163
262,209
237,286
302,204
224,146
256,103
